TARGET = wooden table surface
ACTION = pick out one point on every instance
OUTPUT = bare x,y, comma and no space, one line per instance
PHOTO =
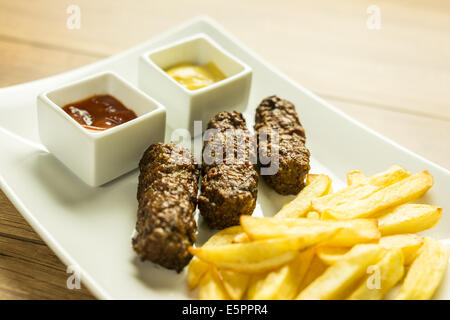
395,79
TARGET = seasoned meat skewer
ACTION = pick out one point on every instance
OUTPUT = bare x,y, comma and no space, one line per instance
167,196
278,114
230,181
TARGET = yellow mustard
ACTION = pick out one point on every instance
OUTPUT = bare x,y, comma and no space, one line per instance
193,76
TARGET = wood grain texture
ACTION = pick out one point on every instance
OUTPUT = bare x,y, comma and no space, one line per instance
323,45
28,268
396,80
22,62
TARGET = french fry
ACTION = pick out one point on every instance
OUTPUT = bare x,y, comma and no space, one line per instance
310,178
256,256
409,218
386,274
241,238
317,187
197,268
315,270
360,187
338,278
283,283
383,179
255,285
235,283
346,195
386,178
210,287
426,272
313,215
398,193
408,243
331,255
348,232
225,236
355,177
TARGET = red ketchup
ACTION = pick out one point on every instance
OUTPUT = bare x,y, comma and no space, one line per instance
99,112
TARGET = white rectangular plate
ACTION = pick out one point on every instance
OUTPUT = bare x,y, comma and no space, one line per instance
91,228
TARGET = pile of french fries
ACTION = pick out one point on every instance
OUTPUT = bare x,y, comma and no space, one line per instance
356,243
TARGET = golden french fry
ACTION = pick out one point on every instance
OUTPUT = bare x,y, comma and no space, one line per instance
398,193
283,283
348,232
409,218
383,179
360,187
317,187
408,243
256,280
310,178
315,270
335,282
241,238
426,272
235,283
256,256
346,195
313,215
263,285
383,276
197,268
225,236
386,178
210,287
355,177
331,255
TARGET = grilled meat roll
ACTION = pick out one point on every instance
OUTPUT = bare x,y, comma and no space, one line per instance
230,181
278,114
167,197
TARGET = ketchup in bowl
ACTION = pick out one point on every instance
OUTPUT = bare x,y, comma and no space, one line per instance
99,112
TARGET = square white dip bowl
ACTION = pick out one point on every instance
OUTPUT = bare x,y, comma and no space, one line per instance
99,156
185,106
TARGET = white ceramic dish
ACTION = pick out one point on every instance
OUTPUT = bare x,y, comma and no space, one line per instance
185,106
99,157
91,227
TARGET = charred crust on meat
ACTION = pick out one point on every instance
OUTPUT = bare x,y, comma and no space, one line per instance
230,186
167,198
278,114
